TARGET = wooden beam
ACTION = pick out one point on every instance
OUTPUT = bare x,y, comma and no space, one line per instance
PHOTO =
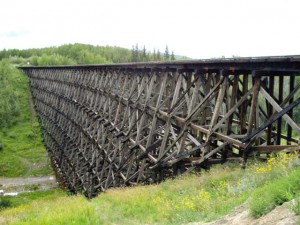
279,109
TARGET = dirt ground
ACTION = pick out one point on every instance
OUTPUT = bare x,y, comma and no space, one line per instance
281,215
20,184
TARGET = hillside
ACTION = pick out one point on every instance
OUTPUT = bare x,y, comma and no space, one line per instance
21,149
186,199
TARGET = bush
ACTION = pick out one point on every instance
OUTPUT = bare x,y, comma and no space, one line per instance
1,146
31,135
5,203
12,135
10,83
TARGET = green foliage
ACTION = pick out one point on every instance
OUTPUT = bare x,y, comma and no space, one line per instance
172,56
272,194
4,202
71,54
68,54
167,54
296,205
28,197
24,153
11,87
50,60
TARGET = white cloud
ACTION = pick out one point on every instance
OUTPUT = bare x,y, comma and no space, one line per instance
196,28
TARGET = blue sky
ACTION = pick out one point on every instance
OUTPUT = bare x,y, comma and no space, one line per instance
195,28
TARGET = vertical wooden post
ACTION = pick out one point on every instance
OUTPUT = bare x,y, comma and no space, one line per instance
280,98
290,113
254,103
252,113
244,106
270,109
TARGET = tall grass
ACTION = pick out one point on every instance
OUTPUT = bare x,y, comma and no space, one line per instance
185,199
282,186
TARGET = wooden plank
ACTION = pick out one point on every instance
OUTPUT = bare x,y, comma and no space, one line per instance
244,106
271,120
209,154
270,109
232,110
279,109
275,147
219,102
254,103
234,93
292,89
280,98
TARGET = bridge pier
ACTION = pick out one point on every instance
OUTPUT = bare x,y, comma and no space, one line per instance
112,125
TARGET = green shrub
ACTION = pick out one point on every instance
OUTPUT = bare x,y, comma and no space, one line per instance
1,146
12,135
5,203
11,86
31,135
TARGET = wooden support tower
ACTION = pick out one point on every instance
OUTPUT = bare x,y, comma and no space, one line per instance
111,125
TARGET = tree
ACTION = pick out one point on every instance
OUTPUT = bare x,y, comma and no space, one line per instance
133,55
12,83
154,55
167,54
144,54
172,56
158,56
137,55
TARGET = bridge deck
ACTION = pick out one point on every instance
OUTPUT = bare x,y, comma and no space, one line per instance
112,125
271,63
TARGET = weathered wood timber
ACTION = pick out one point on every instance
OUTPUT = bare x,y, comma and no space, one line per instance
112,125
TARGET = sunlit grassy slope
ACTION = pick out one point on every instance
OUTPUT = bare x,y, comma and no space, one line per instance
185,199
23,153
21,149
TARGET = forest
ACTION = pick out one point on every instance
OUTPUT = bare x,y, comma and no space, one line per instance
71,54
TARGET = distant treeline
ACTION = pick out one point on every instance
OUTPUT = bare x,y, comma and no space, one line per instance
71,54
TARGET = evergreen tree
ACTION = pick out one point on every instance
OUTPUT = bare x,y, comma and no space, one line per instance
144,54
158,56
133,55
172,56
154,58
137,55
167,54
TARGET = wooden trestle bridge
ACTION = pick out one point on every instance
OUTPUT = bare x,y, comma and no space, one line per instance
112,125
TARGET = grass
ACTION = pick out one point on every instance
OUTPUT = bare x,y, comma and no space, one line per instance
185,199
22,152
23,155
267,197
29,197
296,205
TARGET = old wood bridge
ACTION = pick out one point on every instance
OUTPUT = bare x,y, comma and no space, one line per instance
111,125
